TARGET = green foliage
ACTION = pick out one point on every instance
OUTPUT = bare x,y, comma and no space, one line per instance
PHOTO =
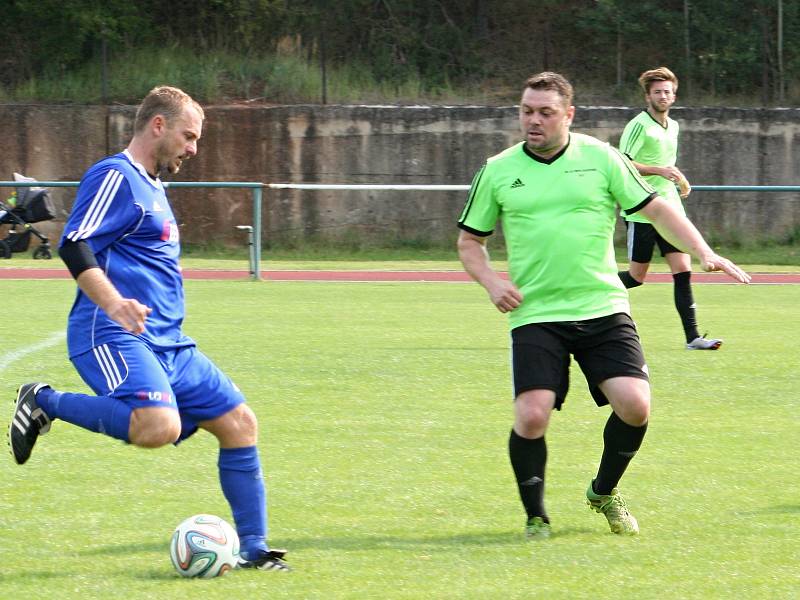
401,49
221,76
383,434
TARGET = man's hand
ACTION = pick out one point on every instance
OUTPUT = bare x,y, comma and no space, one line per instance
472,252
681,233
504,295
129,313
675,176
714,262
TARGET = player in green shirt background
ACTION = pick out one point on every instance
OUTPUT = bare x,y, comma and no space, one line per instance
650,140
556,195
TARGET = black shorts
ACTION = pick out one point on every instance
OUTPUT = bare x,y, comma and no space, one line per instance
605,347
642,237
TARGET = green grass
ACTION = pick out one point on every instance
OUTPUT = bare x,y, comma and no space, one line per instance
778,255
758,259
384,413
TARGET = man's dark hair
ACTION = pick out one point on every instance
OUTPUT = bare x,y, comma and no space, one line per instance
548,80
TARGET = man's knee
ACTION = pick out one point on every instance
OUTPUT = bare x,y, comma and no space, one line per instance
634,409
154,427
630,399
247,422
236,428
532,412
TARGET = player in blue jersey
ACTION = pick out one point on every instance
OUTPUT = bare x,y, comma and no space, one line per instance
153,386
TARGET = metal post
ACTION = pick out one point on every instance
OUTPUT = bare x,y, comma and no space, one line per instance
257,233
250,248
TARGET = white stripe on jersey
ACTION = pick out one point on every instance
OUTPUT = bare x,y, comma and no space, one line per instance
98,207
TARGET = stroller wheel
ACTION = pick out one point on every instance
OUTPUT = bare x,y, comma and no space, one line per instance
5,249
42,252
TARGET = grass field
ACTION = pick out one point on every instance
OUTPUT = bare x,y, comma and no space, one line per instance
384,412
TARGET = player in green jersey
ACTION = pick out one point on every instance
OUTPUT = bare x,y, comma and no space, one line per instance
556,195
650,140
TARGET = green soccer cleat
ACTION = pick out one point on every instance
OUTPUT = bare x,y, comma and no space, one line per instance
537,529
614,508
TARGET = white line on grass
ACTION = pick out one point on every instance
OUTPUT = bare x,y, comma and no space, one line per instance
11,357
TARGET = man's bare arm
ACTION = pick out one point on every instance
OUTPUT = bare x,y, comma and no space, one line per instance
472,252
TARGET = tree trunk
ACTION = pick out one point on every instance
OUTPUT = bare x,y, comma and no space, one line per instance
764,60
687,76
780,53
620,45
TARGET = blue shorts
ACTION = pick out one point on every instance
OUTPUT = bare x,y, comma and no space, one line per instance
129,370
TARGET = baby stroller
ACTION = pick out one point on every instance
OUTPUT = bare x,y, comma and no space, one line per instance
27,205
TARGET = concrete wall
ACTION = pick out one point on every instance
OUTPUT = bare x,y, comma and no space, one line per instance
388,144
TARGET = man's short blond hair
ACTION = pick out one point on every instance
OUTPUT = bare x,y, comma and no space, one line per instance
648,78
163,100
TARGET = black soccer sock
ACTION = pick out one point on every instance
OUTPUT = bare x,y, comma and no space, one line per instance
528,459
627,279
621,442
684,303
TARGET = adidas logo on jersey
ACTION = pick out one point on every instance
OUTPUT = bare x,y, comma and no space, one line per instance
517,183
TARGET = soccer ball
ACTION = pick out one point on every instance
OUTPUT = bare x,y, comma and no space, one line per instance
204,546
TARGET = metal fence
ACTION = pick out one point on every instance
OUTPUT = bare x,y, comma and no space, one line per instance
254,230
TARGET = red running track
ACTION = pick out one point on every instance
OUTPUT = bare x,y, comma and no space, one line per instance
372,276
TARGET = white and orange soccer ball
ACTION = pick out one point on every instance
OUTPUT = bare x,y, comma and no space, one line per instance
204,546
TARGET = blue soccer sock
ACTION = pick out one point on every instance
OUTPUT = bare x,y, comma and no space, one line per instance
100,414
243,485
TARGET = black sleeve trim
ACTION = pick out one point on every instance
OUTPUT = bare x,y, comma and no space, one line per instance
78,257
475,231
641,205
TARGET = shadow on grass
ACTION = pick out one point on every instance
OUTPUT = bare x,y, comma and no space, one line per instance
343,543
165,574
459,541
778,509
346,542
125,549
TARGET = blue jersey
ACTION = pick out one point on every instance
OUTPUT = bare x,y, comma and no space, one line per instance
124,216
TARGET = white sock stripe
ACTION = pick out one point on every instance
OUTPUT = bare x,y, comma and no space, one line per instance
98,207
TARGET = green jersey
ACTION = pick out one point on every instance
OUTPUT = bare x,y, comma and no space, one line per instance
644,140
558,218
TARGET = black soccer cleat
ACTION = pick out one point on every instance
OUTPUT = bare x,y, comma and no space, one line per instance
271,560
27,422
